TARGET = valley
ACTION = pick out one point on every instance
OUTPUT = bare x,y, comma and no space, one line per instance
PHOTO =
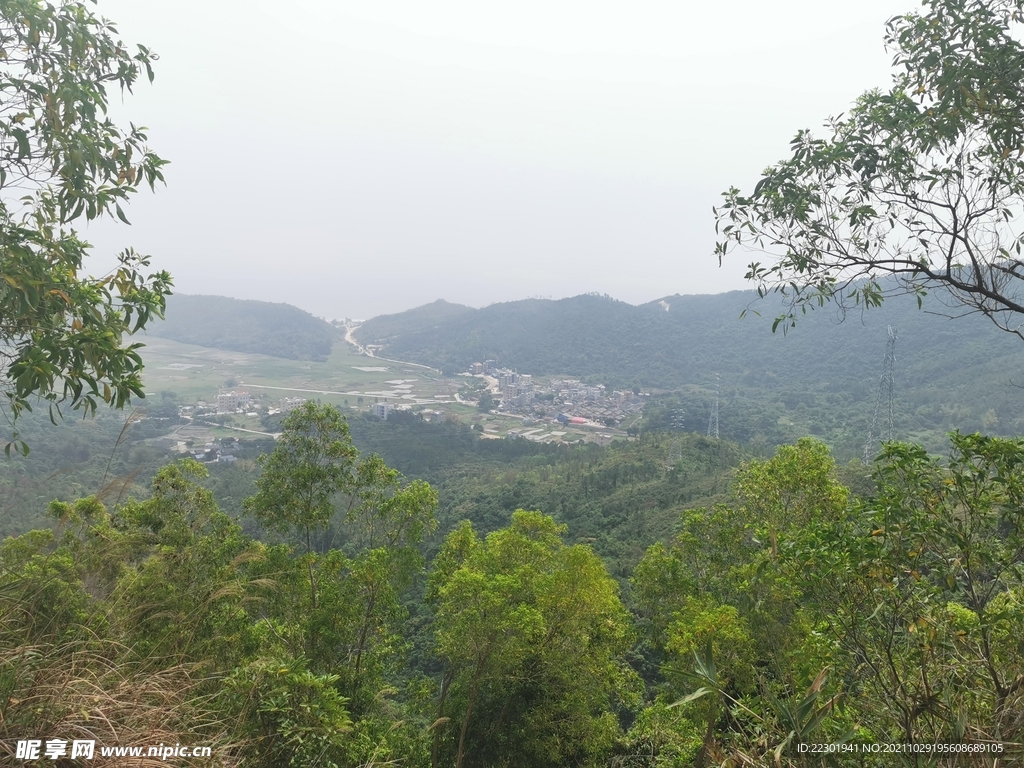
679,521
777,527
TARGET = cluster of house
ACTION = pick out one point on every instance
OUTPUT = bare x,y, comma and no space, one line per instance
573,401
515,390
241,401
211,453
568,401
286,405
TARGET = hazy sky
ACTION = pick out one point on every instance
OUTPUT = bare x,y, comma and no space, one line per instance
357,158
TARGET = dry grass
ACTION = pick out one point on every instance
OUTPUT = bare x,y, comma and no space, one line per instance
88,691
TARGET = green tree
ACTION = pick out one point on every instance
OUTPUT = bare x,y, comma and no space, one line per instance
360,526
63,159
792,489
917,188
485,404
287,715
383,531
160,619
921,586
104,622
530,632
725,594
183,596
309,467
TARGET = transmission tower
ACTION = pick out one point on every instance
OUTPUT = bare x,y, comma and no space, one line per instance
675,448
713,418
885,392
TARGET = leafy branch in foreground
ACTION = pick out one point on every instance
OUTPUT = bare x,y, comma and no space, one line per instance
918,189
62,159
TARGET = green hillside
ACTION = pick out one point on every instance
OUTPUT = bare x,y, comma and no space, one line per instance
428,317
618,498
682,340
820,378
241,325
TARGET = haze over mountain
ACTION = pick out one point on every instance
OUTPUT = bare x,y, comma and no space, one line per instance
681,339
245,326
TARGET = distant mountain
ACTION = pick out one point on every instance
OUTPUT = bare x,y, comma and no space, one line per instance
385,327
822,376
240,325
585,335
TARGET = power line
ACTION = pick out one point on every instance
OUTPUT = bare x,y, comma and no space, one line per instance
675,448
713,418
886,384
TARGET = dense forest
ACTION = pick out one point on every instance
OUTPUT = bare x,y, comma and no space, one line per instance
534,606
105,456
387,329
593,489
241,325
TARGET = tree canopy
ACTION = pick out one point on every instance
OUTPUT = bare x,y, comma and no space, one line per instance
62,159
529,632
917,189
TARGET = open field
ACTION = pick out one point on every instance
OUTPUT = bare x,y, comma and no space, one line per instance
346,379
196,373
501,424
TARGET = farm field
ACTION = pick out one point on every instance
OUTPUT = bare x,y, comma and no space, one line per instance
500,425
196,373
347,379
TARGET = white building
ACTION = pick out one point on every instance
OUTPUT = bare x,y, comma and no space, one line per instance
232,401
381,410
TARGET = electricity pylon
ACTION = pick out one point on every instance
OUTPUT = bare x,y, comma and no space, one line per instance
675,448
885,392
713,418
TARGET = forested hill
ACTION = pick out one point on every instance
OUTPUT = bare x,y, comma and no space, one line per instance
386,328
683,340
246,326
821,376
